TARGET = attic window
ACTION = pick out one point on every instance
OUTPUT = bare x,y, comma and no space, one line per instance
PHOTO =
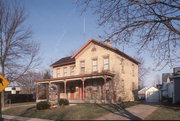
93,49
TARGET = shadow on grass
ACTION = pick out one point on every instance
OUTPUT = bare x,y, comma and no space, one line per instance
27,111
118,110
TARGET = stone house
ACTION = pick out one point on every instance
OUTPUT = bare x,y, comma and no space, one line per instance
96,72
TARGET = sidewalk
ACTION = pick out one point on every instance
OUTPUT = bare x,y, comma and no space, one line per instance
23,118
138,112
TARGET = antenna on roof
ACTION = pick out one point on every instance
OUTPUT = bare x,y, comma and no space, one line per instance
123,48
84,28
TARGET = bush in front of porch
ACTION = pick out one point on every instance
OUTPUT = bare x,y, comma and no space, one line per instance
43,105
63,102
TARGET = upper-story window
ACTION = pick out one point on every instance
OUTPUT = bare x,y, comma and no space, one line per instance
133,69
58,72
106,63
122,66
95,65
65,71
72,70
82,65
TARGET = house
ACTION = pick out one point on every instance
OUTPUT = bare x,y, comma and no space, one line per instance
96,72
171,86
12,90
149,94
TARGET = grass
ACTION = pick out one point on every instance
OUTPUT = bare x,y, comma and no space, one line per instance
81,111
18,104
128,104
166,112
77,112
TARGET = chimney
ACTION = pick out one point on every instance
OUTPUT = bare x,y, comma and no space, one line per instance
107,42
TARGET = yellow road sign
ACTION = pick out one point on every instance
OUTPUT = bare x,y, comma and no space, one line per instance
3,83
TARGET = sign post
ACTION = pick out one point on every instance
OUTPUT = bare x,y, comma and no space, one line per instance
3,84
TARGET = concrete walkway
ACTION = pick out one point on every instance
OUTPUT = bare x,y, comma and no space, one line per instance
23,118
138,112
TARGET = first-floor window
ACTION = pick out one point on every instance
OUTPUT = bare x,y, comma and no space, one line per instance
95,84
107,86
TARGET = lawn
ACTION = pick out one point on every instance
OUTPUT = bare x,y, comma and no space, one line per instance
18,104
76,112
165,112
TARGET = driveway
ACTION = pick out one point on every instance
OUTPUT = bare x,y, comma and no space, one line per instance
137,112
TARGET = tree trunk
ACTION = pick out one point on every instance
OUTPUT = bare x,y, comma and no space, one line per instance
2,95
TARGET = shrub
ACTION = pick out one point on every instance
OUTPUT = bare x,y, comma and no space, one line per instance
63,102
43,105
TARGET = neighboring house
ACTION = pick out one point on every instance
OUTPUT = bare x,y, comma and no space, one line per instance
97,71
165,77
141,93
149,94
12,90
171,86
176,89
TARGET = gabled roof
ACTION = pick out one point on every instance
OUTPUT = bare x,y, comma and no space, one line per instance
64,61
143,91
71,59
104,45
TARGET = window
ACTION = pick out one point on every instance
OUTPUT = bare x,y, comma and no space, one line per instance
72,70
95,85
107,86
133,69
13,88
65,71
82,65
58,72
106,63
95,65
122,66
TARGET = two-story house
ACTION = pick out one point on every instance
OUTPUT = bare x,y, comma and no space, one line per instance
97,71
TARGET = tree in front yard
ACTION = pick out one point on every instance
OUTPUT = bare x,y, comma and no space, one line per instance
18,52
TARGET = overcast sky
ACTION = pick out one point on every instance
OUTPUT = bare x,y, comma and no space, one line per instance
59,27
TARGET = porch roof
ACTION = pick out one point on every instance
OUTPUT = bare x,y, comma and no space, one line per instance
76,77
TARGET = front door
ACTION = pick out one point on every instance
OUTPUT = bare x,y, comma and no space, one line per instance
72,90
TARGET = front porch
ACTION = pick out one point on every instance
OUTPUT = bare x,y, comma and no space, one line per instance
87,88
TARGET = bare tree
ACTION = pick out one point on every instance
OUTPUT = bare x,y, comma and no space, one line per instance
142,71
157,80
28,82
151,25
47,74
18,53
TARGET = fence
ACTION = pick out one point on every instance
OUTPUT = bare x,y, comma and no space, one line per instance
19,98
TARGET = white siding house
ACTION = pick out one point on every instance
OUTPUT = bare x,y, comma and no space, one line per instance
151,94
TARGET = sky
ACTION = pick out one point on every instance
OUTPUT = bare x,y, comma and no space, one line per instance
61,29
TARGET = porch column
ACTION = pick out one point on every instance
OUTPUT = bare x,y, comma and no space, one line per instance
37,92
58,85
65,88
47,91
83,89
105,79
